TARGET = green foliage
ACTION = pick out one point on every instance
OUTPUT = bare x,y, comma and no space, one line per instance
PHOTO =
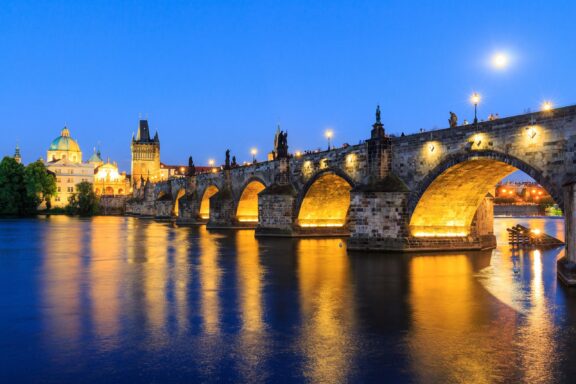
84,202
13,194
22,189
40,185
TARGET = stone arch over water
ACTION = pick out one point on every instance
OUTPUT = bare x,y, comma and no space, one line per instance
204,211
446,202
325,200
247,207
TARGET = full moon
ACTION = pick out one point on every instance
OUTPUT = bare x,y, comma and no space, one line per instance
500,61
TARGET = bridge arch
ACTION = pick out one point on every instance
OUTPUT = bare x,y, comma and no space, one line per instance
176,206
324,201
209,191
247,202
446,200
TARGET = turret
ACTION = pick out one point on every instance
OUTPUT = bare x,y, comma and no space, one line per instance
17,156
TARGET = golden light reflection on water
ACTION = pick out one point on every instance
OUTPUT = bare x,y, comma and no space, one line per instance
253,338
210,282
106,272
473,317
155,279
328,311
442,341
62,269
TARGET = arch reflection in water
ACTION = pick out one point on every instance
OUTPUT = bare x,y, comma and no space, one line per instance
209,273
454,337
253,338
328,311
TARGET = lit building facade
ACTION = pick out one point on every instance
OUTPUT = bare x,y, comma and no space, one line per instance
108,181
64,159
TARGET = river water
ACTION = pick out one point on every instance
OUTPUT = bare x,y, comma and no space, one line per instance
114,299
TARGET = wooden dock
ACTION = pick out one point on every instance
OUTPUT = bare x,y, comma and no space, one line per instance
522,237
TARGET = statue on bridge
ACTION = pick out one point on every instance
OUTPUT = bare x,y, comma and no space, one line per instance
378,114
282,145
453,120
191,168
234,163
227,161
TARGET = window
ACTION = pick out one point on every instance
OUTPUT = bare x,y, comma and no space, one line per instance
57,197
58,180
71,171
59,190
70,180
70,189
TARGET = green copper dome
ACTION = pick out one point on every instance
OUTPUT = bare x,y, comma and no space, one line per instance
64,142
95,158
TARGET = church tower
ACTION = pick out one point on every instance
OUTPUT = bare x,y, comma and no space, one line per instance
145,154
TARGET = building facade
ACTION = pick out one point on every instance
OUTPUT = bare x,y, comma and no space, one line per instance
64,159
108,181
145,154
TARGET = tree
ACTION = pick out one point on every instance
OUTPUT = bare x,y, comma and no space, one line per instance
84,202
12,189
40,185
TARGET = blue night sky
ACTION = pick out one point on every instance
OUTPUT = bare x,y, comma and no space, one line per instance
213,75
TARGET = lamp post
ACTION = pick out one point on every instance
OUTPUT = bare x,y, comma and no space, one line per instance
211,164
475,99
329,135
547,106
254,151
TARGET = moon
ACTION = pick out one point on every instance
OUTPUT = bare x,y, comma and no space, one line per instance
500,61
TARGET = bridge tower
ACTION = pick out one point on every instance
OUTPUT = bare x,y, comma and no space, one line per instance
145,154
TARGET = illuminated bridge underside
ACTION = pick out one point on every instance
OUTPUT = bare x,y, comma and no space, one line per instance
205,204
326,203
248,205
448,206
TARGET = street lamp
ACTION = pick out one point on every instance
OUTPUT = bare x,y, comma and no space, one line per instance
475,99
329,135
211,164
254,151
547,106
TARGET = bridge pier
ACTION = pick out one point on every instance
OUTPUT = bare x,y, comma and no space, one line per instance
276,206
188,209
378,218
163,208
566,266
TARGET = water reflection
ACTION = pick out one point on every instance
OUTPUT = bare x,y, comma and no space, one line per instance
63,250
327,304
130,297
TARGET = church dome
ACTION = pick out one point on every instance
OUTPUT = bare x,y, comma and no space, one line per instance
64,142
95,158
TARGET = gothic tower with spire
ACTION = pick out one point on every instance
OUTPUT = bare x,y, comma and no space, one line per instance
145,154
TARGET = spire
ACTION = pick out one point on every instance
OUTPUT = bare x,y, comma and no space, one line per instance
143,133
156,139
17,156
65,131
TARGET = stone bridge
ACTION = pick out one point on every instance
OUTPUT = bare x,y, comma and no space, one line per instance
425,191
